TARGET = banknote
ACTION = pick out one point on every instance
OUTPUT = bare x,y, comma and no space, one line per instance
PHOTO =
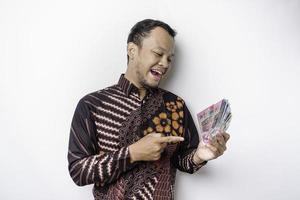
214,119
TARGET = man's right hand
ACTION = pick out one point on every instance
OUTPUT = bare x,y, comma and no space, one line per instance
150,147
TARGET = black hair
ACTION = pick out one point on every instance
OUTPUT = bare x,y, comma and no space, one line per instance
142,29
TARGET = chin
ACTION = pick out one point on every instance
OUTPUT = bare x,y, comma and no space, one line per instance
151,85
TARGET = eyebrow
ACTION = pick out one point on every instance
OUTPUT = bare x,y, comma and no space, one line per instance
166,50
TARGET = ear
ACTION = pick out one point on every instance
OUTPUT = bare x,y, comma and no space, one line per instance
131,50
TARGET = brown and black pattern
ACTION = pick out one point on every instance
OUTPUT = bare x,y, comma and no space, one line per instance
106,122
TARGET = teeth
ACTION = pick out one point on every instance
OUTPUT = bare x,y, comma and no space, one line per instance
157,71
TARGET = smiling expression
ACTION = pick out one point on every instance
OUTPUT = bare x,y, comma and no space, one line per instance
150,62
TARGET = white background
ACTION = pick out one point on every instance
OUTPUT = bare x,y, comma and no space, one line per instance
52,53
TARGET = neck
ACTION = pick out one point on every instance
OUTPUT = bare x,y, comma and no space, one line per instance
130,77
142,94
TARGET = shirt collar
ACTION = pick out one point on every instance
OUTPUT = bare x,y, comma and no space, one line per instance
128,87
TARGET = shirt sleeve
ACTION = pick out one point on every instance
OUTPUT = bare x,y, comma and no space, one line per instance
86,164
182,158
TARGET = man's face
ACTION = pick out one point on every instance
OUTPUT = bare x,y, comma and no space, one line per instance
153,58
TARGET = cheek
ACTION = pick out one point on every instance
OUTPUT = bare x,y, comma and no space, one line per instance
149,62
152,61
149,57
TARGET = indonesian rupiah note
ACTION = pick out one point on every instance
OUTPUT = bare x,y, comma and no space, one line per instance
214,119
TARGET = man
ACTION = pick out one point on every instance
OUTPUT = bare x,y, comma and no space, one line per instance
128,139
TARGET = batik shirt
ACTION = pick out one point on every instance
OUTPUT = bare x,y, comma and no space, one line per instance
107,121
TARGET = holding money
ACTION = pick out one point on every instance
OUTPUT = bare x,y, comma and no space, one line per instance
214,119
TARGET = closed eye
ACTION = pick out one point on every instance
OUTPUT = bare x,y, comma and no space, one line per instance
157,54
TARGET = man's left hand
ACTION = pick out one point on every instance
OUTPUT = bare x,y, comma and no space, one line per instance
212,150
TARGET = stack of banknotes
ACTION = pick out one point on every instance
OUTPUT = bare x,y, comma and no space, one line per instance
213,120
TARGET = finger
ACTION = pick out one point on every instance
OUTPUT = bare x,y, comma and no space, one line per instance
214,141
226,136
221,148
212,148
157,157
163,145
224,149
220,144
158,135
221,140
168,139
161,151
217,150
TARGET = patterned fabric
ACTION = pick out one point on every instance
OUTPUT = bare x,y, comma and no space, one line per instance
107,121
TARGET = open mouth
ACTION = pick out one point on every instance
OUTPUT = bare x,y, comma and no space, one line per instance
156,73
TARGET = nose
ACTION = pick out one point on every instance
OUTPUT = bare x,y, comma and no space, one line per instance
164,62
